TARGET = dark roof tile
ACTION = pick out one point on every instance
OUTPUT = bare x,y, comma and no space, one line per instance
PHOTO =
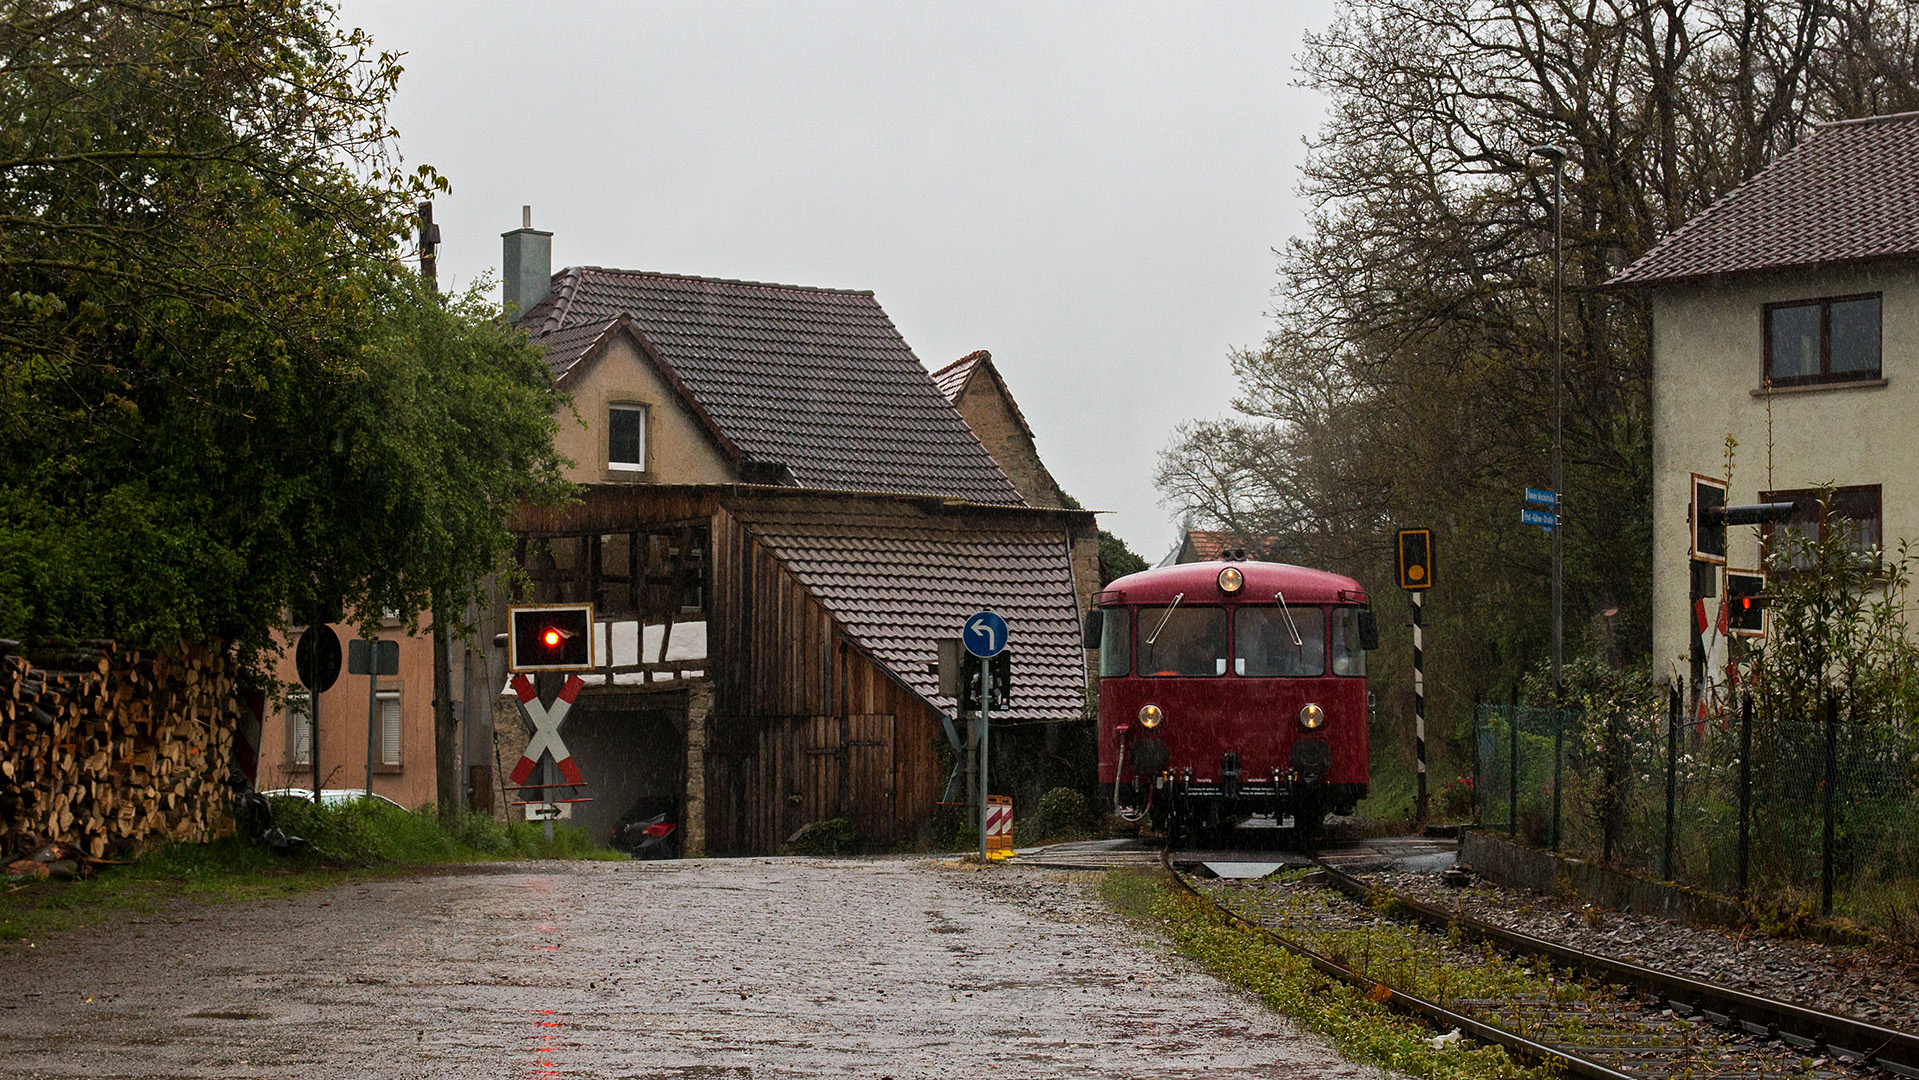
898,579
817,379
1844,195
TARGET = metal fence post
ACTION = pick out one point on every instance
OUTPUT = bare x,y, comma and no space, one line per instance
1615,794
1832,780
1672,777
1559,758
1745,791
1479,729
1512,766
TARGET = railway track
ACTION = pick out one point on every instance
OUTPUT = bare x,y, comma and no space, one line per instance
1587,1015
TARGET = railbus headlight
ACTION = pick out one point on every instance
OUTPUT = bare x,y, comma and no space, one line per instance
1150,716
1311,717
1230,580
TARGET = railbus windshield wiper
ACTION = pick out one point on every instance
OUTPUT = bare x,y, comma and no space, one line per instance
1153,638
1298,642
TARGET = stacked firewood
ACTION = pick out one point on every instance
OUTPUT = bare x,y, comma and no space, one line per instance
103,748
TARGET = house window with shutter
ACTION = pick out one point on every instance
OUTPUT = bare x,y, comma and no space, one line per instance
299,741
626,438
389,711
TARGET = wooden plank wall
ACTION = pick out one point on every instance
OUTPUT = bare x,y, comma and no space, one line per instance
793,699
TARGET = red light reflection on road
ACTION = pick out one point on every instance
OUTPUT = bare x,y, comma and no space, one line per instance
547,1024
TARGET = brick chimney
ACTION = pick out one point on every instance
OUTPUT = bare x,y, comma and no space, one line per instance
526,265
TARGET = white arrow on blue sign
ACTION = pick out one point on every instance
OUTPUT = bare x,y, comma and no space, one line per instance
1538,517
985,634
1540,498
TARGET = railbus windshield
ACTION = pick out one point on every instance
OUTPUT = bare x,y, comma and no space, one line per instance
1297,641
1285,642
1182,640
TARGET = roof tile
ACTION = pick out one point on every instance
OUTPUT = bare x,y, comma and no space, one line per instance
1843,195
898,579
817,379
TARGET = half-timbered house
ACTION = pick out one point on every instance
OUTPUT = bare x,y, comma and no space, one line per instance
781,515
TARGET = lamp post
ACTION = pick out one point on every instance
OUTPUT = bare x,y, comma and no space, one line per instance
1558,156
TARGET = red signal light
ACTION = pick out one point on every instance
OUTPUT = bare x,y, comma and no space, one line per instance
556,638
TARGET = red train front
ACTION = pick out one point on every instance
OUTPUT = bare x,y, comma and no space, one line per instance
1230,690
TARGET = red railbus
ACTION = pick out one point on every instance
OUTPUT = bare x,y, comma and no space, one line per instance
1233,690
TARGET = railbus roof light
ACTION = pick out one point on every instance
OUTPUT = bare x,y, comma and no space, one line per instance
1231,580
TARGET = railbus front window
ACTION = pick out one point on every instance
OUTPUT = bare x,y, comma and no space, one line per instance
1116,642
1349,654
1183,640
1266,646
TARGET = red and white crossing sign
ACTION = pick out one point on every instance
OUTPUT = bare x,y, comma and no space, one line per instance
546,729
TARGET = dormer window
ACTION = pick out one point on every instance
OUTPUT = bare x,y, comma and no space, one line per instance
626,438
1830,340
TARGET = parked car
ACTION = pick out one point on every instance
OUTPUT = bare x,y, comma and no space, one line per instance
650,829
330,796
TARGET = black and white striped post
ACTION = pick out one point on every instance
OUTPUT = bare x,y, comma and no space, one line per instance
1419,699
1416,576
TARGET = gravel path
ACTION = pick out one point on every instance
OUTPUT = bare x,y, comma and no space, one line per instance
1881,986
727,967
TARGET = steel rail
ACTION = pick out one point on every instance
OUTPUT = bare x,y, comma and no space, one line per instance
1893,1050
1479,1031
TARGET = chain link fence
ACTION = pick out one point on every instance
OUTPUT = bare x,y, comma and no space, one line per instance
1802,814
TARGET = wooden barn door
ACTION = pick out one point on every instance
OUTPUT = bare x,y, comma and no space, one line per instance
869,760
816,743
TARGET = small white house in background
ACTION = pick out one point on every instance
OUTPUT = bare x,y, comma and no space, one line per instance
1787,317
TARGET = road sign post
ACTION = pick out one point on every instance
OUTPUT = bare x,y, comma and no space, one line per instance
985,637
372,659
317,658
546,742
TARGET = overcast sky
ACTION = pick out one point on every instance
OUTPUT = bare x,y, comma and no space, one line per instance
1090,191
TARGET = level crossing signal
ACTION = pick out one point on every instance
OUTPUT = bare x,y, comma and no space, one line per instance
999,681
1746,602
1415,559
555,638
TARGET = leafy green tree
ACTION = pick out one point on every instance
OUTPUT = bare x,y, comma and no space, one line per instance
1408,381
1116,560
222,395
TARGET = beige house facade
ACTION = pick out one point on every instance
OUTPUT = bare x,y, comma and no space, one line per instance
1785,354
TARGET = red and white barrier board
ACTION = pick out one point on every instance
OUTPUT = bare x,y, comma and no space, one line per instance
999,824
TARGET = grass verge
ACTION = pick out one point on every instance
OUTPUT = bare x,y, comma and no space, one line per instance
346,842
1361,1029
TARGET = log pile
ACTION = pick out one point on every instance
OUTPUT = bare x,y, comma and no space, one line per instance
109,749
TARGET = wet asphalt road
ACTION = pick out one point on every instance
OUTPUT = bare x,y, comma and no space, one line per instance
711,968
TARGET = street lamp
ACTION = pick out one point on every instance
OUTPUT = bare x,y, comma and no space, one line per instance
1558,156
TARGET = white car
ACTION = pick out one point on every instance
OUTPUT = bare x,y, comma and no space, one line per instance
330,796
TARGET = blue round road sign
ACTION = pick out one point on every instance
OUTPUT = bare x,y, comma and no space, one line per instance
984,634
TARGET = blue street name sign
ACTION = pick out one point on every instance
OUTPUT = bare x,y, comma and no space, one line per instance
1537,517
1540,498
985,634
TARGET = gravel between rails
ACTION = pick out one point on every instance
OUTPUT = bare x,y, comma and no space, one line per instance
1880,985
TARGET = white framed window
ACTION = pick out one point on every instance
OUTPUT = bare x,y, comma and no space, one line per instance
389,706
626,438
299,730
